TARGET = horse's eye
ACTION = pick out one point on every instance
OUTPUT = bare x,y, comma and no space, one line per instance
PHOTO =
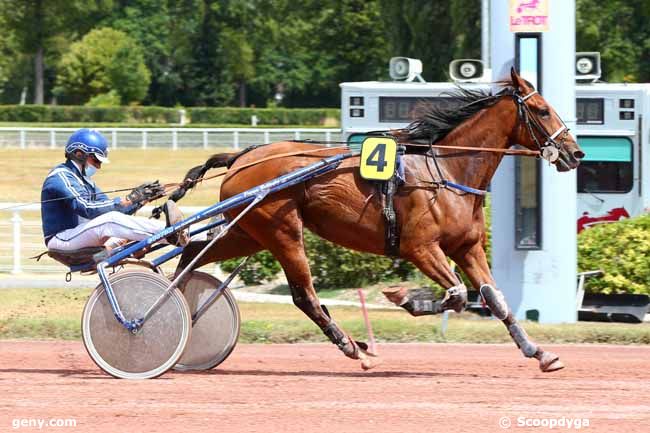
544,112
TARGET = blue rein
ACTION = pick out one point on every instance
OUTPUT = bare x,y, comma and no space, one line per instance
463,188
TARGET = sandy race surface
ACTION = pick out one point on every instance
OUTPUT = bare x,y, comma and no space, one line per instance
309,388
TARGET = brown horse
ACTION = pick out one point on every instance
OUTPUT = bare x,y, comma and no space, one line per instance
434,222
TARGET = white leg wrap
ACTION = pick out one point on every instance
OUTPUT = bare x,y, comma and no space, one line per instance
518,334
495,301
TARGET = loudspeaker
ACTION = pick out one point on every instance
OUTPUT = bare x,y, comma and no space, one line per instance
588,66
404,68
466,70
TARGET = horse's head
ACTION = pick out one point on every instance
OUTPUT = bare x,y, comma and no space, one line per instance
540,127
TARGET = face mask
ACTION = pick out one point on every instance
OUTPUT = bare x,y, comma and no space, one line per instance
90,170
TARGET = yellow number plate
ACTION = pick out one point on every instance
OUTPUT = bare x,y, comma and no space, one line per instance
378,157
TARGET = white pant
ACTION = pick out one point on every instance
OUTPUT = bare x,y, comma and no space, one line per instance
107,229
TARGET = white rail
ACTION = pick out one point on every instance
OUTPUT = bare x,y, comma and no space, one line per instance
174,138
21,237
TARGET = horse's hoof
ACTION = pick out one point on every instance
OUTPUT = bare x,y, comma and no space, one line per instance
368,362
550,362
395,294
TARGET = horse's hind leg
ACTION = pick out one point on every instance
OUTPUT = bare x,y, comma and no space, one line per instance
283,237
475,265
433,263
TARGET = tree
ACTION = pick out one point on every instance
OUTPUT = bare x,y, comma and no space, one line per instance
619,30
104,60
36,24
238,60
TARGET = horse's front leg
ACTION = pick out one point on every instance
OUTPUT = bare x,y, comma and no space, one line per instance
431,260
474,262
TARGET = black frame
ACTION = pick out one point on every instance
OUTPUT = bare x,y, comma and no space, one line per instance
519,217
601,102
632,163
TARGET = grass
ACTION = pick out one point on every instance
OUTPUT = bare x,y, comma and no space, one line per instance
56,313
25,169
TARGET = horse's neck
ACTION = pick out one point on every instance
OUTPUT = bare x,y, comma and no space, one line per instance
491,128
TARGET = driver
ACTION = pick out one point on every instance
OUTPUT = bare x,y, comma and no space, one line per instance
77,214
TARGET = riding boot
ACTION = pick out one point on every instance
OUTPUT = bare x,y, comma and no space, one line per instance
173,215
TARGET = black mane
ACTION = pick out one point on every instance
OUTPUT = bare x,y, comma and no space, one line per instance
434,122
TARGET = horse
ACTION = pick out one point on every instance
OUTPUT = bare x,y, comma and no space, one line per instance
434,220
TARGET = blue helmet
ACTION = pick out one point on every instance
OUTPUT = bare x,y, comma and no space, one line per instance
89,141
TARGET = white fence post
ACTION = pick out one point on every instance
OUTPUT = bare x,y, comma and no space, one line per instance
22,138
114,139
235,139
296,135
205,139
267,139
52,139
328,138
144,139
174,139
16,222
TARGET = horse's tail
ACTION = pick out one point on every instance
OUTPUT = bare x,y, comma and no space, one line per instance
195,174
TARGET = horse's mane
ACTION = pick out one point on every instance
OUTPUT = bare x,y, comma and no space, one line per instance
434,122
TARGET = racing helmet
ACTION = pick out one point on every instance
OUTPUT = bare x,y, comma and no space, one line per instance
89,141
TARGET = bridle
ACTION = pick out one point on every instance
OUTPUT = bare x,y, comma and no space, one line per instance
550,149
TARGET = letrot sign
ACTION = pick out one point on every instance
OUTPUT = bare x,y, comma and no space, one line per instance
528,16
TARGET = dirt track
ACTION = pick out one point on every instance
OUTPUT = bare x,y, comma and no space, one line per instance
308,388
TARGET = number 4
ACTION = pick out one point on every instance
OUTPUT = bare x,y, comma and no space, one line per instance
378,157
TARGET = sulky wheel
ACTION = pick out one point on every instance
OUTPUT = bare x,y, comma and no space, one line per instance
215,333
154,348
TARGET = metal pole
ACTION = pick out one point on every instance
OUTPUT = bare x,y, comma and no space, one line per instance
16,222
485,32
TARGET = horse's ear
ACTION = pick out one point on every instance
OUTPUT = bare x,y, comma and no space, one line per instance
517,82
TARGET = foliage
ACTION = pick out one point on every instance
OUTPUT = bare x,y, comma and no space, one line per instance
266,116
104,60
265,52
91,114
261,267
619,30
109,99
331,266
102,109
621,250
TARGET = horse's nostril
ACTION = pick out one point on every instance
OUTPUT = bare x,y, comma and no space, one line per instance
578,154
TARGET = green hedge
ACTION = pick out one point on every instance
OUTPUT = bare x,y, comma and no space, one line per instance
81,114
622,251
265,116
141,114
331,266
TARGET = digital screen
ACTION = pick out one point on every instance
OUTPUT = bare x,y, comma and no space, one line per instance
626,103
626,115
406,109
590,110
